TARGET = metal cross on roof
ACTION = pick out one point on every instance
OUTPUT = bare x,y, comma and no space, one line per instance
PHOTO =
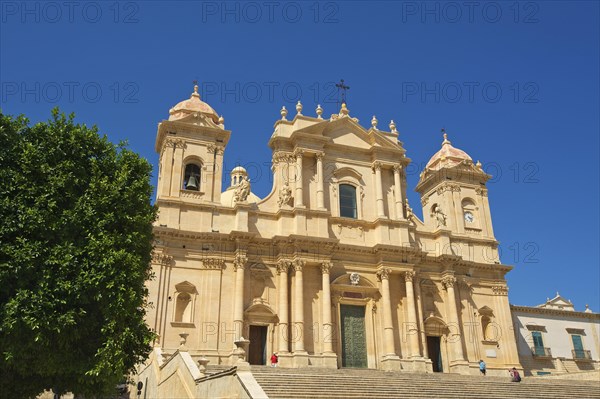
341,86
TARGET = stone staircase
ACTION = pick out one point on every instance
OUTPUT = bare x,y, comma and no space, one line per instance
316,383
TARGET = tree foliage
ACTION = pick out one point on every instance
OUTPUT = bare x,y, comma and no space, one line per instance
75,250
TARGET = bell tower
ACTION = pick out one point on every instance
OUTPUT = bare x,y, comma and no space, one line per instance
191,144
454,194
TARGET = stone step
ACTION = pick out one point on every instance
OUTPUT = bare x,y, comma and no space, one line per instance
317,383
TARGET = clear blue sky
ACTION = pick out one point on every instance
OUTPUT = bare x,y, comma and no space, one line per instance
516,84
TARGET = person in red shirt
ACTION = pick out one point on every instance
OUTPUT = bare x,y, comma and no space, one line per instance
274,360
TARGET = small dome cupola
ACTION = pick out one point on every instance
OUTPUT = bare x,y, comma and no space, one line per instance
239,178
237,175
191,106
447,156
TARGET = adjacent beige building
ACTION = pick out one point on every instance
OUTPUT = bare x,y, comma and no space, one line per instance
554,338
332,268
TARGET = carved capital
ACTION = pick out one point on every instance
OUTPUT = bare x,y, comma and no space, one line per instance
424,201
162,259
409,276
500,290
376,166
298,153
448,281
384,273
326,267
283,266
320,156
213,263
215,149
481,191
240,261
175,142
299,265
397,168
452,187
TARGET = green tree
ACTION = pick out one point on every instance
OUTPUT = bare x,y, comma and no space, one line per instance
75,249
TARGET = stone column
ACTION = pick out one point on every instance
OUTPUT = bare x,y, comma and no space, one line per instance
422,335
238,302
413,329
388,328
166,167
327,326
398,192
298,307
320,183
456,337
379,189
179,146
298,200
282,270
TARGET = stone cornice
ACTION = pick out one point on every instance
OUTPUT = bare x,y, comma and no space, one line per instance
321,248
167,126
556,312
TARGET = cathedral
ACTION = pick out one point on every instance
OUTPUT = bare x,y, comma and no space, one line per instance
332,268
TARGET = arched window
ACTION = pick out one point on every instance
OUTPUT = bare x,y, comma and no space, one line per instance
191,178
183,308
348,201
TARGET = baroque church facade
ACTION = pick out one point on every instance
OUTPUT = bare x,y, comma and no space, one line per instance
332,268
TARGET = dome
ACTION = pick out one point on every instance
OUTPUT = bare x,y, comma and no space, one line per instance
192,105
239,169
447,156
228,196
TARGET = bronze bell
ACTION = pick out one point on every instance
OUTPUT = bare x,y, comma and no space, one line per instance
192,183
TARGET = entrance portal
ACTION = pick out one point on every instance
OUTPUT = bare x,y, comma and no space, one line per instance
257,352
354,343
435,353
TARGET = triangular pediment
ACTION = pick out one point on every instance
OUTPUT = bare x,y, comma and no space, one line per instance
558,302
345,131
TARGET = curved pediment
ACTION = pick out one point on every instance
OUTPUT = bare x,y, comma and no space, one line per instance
347,171
260,312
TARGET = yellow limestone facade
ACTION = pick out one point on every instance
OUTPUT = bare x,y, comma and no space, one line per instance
332,268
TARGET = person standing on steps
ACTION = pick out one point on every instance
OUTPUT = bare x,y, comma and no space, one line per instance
482,367
515,375
274,360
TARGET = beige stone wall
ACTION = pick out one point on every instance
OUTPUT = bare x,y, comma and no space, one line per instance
226,257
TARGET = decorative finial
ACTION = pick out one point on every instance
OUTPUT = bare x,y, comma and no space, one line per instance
195,93
319,112
393,126
221,120
374,122
478,164
283,113
446,141
299,108
344,110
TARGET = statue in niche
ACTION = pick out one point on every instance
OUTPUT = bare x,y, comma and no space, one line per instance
285,194
440,216
242,190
